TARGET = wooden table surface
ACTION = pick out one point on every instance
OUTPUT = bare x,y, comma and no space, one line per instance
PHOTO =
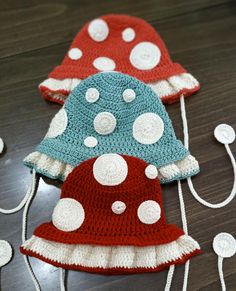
201,35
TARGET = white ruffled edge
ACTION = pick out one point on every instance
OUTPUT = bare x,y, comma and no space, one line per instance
163,88
56,169
95,256
174,84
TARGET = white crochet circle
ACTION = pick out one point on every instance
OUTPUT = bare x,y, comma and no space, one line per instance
58,124
224,245
224,133
90,142
151,172
92,95
1,145
110,169
129,95
148,128
145,56
98,30
104,64
5,253
128,34
68,215
75,54
118,207
104,123
149,212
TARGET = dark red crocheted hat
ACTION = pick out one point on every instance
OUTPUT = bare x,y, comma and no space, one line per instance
110,218
119,43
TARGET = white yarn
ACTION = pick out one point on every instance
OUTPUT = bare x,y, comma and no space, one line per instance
62,279
169,277
221,274
190,184
24,228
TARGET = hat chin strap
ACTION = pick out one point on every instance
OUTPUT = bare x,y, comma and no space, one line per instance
30,197
189,180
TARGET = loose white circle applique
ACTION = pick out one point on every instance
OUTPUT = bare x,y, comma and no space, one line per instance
1,145
75,54
104,64
5,253
148,128
90,142
128,34
118,207
92,95
68,215
104,123
224,245
58,124
224,133
129,95
149,212
151,172
110,169
98,30
145,56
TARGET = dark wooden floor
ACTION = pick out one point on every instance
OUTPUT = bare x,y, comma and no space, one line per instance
34,36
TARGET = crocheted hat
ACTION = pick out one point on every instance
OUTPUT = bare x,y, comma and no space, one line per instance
112,112
110,219
125,44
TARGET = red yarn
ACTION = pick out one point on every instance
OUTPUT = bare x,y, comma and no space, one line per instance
101,225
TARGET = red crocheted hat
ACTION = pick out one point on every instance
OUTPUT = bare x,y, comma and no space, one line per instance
119,43
110,219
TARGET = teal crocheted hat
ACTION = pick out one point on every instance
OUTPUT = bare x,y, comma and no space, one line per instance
112,113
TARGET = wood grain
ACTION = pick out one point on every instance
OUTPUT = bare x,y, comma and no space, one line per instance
34,38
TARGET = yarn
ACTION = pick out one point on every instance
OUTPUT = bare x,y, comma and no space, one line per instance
140,128
120,228
141,54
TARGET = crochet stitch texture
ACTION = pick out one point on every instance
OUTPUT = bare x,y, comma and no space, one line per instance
83,129
122,227
119,43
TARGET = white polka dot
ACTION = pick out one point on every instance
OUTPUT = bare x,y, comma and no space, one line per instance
128,34
98,30
149,212
104,64
224,133
148,128
145,56
118,207
90,142
58,124
68,215
1,145
224,245
104,123
75,54
5,253
151,172
92,95
129,95
110,169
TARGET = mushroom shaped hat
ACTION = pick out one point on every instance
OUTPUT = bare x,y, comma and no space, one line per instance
119,43
110,219
112,112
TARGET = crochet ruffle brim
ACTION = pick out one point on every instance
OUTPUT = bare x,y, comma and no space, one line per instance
112,259
169,90
56,169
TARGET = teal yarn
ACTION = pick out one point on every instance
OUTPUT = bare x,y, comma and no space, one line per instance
69,148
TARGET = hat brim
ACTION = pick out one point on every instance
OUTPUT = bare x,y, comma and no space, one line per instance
169,89
55,169
112,259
